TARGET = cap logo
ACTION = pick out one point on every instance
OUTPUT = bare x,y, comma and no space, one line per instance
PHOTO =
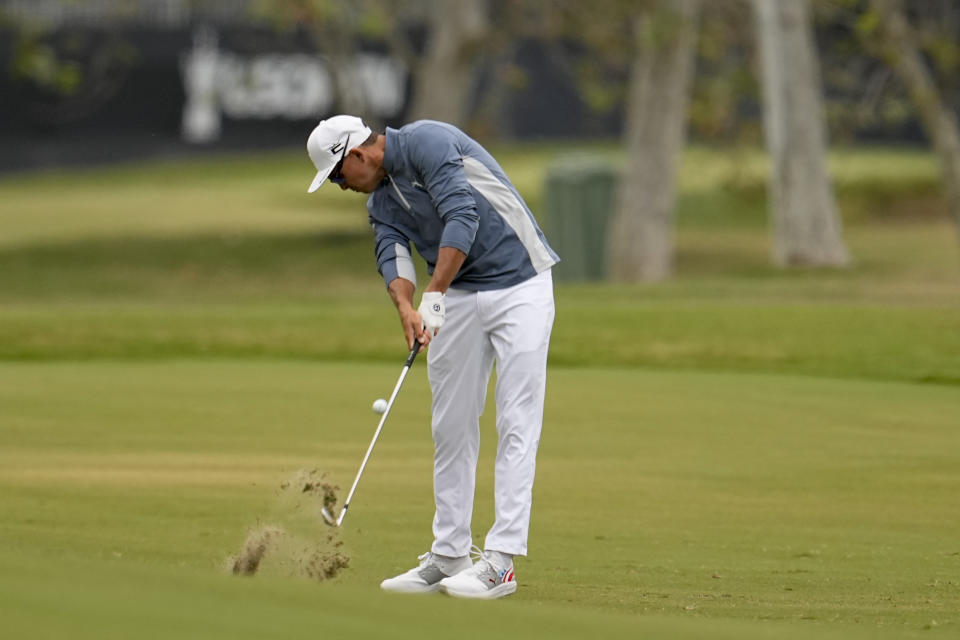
335,149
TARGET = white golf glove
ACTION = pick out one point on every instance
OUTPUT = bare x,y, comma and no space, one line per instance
432,310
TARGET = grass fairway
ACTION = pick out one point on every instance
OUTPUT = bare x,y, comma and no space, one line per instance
740,452
682,503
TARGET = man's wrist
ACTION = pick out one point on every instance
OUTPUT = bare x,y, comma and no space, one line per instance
435,288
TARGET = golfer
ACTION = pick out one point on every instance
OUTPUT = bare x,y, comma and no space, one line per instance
489,299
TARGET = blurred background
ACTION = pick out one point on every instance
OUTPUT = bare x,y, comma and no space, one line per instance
147,77
156,147
105,81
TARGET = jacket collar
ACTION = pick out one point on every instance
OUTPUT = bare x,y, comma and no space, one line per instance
393,160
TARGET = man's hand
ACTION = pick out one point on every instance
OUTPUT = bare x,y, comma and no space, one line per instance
401,292
423,323
432,311
413,326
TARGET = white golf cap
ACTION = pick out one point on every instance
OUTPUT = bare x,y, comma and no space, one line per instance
328,142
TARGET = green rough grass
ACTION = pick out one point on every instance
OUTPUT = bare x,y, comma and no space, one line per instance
861,340
229,195
772,506
739,452
151,276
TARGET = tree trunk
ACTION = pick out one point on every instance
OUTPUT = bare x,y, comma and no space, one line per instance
640,235
806,226
939,123
445,79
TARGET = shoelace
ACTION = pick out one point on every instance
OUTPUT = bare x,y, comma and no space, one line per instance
477,555
480,562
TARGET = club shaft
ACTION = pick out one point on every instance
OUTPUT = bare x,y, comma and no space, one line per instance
376,434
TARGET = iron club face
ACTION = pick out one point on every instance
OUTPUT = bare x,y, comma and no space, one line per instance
328,517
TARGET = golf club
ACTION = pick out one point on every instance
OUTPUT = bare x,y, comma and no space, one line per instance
327,516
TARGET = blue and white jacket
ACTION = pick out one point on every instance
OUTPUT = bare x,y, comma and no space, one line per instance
444,190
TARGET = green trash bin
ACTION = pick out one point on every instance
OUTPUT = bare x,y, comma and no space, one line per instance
578,200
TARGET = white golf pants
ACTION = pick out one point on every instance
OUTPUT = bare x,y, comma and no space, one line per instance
511,327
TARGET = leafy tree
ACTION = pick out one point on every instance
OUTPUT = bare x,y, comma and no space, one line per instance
651,43
640,241
916,56
806,225
445,76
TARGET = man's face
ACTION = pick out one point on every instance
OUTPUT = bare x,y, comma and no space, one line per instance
359,172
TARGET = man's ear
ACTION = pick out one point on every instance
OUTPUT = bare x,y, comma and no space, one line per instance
359,153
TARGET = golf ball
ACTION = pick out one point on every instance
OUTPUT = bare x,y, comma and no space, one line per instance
379,405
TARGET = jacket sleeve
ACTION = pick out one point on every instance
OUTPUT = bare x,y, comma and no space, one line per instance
391,245
436,157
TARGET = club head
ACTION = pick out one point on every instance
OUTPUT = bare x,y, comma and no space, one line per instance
328,517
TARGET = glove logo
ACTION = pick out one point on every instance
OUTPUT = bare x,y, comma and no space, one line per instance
436,308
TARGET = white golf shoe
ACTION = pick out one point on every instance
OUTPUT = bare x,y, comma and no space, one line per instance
426,577
484,580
